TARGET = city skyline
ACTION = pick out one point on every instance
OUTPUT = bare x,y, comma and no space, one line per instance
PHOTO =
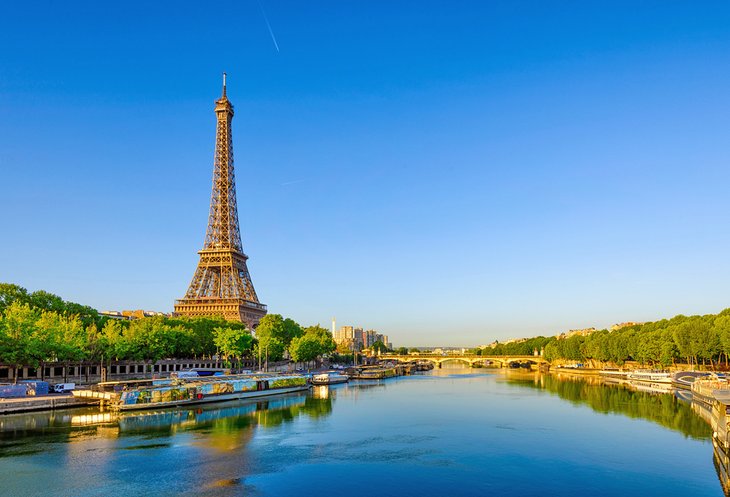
464,171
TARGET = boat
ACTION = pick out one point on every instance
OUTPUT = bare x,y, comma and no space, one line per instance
200,372
650,376
329,378
371,372
196,390
685,379
710,389
618,374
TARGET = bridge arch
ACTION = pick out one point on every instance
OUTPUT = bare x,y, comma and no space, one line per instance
463,360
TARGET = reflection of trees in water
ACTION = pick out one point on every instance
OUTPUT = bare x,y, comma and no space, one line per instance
317,407
225,418
312,407
664,409
222,418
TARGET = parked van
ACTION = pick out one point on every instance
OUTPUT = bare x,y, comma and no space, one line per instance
63,387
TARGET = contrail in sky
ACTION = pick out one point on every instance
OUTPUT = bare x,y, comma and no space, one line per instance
271,32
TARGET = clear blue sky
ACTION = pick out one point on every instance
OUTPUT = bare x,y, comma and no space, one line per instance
445,172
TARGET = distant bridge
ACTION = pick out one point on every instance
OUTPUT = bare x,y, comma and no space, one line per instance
469,359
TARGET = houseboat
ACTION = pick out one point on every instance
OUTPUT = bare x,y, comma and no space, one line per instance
650,376
685,379
372,372
329,378
197,390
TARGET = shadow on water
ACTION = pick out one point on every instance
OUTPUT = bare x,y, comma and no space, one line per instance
664,409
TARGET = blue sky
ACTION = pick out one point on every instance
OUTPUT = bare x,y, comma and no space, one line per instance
444,172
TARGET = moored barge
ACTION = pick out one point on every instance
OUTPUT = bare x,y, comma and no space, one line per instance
185,391
329,378
650,376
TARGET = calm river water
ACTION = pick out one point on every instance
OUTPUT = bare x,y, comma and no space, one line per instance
451,432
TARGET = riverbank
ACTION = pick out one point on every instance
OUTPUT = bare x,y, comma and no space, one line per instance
41,403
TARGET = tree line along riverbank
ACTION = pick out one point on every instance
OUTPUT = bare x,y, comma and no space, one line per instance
694,340
39,327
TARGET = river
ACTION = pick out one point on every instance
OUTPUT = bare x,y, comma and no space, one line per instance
449,432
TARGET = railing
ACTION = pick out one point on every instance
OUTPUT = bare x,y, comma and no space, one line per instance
217,300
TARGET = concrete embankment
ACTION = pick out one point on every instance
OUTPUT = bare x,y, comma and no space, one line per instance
41,403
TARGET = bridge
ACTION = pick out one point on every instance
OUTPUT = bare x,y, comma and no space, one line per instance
470,359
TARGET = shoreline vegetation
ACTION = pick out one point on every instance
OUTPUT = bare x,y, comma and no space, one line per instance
698,341
40,327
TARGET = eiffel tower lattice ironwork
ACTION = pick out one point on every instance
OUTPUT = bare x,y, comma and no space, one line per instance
221,285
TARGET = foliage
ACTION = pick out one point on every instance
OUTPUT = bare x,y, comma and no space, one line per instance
233,342
694,339
315,342
30,336
40,327
274,335
45,301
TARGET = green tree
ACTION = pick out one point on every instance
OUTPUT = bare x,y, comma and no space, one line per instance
112,342
274,334
31,337
233,343
669,352
305,348
47,301
312,344
10,293
722,330
379,347
681,333
552,351
704,342
323,336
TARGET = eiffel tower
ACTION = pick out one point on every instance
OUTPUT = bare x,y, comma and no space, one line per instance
221,285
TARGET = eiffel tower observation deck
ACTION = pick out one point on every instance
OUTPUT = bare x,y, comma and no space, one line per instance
221,285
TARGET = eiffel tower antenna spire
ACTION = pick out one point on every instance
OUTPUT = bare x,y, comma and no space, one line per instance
221,285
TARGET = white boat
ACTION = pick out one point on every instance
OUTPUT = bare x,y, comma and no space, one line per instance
685,379
329,378
650,376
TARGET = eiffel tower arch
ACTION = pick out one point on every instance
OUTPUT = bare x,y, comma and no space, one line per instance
221,284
